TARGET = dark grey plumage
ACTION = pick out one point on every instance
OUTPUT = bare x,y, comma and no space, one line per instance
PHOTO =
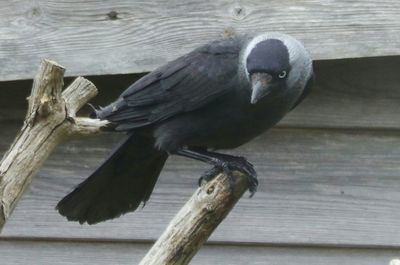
220,95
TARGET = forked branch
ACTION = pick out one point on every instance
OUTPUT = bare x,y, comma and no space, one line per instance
50,119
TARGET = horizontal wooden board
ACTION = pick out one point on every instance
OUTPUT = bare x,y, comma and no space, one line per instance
125,36
325,187
63,253
357,93
362,93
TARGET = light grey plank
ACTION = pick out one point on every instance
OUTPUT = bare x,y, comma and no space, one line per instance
63,253
316,187
356,93
82,36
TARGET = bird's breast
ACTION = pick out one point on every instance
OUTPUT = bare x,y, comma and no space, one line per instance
226,123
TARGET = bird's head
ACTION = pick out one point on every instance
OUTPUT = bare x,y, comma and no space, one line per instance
274,63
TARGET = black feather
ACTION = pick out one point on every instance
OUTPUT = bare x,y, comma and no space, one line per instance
119,185
186,84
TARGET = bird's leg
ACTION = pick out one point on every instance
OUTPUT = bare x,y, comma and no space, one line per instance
222,163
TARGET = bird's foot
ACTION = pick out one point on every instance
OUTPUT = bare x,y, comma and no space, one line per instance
228,166
242,165
210,174
93,111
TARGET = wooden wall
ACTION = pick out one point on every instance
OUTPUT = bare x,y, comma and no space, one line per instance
329,172
126,36
329,183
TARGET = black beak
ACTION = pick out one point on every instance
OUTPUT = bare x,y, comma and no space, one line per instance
260,86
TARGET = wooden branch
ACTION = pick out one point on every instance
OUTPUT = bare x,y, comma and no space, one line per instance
49,120
195,222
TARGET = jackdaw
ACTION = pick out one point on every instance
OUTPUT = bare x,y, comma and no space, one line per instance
219,96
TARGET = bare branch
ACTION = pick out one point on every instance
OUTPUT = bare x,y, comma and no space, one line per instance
196,221
50,119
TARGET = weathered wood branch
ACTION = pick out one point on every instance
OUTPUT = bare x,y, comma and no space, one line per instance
50,119
195,222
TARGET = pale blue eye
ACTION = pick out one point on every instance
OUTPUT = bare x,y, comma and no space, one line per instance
282,74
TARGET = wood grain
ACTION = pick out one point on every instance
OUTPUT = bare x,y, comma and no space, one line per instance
63,253
50,119
351,93
196,220
360,93
317,187
123,36
46,110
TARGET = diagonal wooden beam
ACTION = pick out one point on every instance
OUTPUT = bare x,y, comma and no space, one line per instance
196,221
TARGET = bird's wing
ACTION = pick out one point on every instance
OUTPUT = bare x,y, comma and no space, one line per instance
183,85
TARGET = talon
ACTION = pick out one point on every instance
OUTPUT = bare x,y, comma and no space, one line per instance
226,168
93,109
253,186
241,164
200,181
223,163
209,175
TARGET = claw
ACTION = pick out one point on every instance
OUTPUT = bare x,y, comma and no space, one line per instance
240,164
94,110
224,163
209,174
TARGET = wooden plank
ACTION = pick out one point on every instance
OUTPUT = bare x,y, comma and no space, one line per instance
361,93
13,94
124,36
356,93
48,252
324,187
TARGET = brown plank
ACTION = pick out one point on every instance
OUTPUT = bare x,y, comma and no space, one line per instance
124,36
326,187
48,252
356,93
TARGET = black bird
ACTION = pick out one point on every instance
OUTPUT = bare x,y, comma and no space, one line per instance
219,96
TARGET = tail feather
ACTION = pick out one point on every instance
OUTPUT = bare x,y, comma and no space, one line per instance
119,185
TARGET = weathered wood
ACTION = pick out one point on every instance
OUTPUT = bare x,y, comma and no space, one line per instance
196,220
124,36
90,253
49,119
44,100
360,93
327,187
356,93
